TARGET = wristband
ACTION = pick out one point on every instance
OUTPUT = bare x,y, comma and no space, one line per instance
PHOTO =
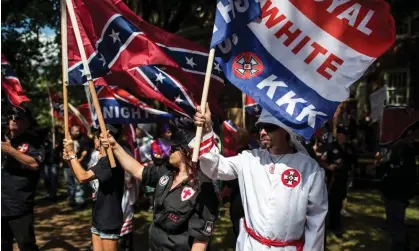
71,157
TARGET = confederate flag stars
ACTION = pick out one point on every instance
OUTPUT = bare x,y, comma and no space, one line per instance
192,64
115,36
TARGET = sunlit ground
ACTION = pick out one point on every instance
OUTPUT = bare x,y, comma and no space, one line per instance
60,228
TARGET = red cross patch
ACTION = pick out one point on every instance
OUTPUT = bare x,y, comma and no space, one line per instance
187,193
23,148
291,178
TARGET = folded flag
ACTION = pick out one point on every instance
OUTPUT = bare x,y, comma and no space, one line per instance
229,138
57,105
300,57
10,84
251,107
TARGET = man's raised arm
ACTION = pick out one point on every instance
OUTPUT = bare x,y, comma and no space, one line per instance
212,163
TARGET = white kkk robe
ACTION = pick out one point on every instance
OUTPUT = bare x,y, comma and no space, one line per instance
283,202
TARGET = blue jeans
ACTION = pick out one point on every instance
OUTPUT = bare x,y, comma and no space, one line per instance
50,175
75,191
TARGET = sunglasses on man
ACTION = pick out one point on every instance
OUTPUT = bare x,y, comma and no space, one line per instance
267,127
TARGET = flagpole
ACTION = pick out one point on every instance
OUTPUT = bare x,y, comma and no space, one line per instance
198,134
52,116
89,102
64,65
88,75
80,117
244,109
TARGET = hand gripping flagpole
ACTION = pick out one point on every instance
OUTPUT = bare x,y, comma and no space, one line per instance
64,64
207,80
88,75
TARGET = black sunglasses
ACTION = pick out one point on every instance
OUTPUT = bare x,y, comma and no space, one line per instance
267,127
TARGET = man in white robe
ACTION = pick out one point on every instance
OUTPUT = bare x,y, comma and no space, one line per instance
283,190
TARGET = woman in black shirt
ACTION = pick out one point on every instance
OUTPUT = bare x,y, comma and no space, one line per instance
107,217
185,205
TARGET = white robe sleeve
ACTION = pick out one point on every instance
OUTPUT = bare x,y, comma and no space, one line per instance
316,213
213,164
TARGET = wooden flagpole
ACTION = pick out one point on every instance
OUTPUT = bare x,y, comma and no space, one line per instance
88,75
64,65
80,116
207,80
243,109
51,106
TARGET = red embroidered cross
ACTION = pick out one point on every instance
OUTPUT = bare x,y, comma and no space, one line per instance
186,193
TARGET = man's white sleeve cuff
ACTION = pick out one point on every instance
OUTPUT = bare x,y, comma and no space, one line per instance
206,145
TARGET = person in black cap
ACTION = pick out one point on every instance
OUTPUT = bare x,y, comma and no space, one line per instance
22,153
185,205
339,157
107,216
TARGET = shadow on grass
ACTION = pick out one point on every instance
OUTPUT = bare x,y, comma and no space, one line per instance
60,228
364,227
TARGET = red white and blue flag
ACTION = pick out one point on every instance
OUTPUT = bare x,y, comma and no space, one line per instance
120,107
10,84
190,73
112,43
229,138
298,59
121,46
190,57
251,107
166,84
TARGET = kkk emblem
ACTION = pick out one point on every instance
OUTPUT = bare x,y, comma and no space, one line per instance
291,178
23,148
247,65
187,193
163,180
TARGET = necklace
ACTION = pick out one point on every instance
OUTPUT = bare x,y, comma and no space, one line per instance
272,166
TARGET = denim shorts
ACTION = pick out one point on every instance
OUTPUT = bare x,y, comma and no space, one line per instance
108,234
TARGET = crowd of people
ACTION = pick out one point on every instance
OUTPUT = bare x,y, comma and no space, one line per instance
280,189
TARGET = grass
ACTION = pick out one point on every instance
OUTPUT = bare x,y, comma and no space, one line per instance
60,228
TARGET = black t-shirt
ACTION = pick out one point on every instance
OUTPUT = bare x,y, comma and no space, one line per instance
182,215
18,183
52,154
107,210
400,173
81,144
342,157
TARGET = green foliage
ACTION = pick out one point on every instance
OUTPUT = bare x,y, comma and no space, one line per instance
28,49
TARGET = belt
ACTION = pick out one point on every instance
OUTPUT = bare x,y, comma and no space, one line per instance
267,242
